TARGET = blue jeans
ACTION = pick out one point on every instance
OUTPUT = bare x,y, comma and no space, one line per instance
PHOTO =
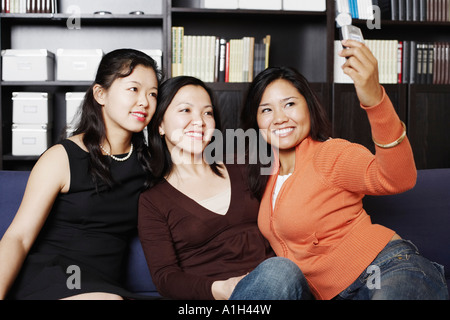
399,272
274,279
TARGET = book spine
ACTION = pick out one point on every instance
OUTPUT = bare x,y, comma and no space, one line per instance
419,63
402,10
400,62
227,62
413,61
174,51
430,63
222,59
423,10
406,61
394,10
437,63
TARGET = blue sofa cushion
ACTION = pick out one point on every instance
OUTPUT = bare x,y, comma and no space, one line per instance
421,215
12,187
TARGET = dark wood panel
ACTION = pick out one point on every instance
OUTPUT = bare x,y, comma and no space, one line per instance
429,122
350,121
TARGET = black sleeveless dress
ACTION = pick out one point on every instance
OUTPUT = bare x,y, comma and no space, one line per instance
82,245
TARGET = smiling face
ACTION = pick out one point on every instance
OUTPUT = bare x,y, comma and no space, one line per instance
283,116
130,102
188,122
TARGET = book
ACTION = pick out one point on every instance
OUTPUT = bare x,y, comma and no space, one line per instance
400,62
177,50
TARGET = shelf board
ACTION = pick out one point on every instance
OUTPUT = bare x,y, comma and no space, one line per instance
56,17
402,24
46,83
180,10
10,157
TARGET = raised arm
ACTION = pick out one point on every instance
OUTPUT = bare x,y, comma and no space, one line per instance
392,169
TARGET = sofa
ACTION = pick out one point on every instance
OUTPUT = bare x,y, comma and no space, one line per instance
421,215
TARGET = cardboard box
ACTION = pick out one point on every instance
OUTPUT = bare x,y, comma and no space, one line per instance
31,107
28,65
220,4
156,54
261,4
304,5
73,102
77,65
30,139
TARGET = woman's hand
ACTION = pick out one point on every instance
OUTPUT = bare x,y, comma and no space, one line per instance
362,67
222,290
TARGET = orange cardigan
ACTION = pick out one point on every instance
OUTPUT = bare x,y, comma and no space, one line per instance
318,220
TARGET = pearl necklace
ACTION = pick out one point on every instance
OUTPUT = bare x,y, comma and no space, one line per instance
116,158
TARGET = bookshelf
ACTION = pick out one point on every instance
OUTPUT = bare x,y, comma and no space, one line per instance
302,39
75,24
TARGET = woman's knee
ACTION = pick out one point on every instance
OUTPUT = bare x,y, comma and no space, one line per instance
282,266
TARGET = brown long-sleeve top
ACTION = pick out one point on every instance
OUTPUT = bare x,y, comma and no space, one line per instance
188,247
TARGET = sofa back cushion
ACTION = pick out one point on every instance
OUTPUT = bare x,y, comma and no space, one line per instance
12,187
421,214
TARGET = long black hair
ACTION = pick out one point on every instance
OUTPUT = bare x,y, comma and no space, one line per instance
116,64
320,124
161,160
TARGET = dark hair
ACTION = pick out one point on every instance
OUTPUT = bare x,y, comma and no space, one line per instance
116,64
320,124
161,160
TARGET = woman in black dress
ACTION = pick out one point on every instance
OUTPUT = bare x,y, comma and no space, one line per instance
69,235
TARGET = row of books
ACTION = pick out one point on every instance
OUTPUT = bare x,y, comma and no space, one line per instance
414,10
216,59
29,6
404,62
386,52
358,9
397,10
426,62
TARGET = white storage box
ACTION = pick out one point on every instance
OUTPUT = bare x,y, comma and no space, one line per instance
221,4
304,5
260,4
77,65
28,65
31,107
30,139
156,54
73,102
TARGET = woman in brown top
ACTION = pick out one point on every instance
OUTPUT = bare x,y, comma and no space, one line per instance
197,222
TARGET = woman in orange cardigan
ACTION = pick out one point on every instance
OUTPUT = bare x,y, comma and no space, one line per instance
311,205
